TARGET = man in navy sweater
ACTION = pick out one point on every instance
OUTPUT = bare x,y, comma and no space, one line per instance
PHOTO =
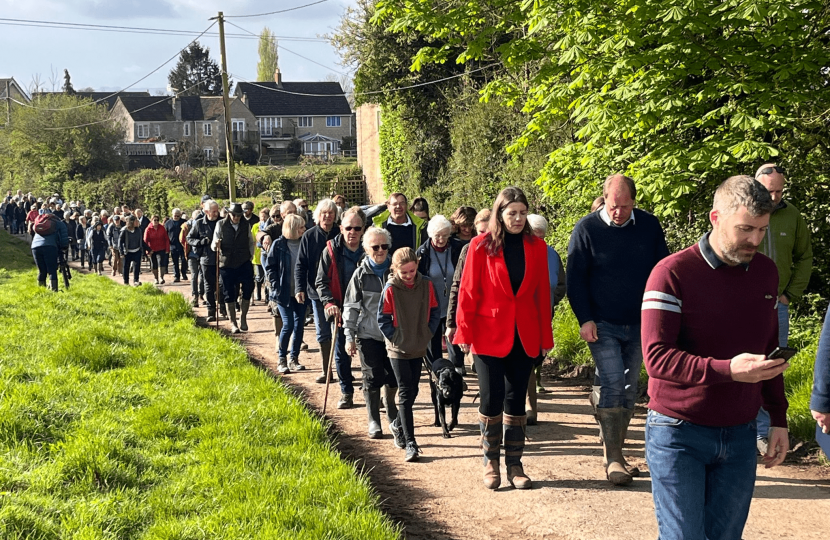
611,253
709,320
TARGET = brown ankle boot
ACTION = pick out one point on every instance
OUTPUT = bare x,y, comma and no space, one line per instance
517,477
491,435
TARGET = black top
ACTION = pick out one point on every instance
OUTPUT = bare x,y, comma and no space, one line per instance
514,257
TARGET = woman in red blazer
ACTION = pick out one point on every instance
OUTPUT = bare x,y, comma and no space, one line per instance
504,319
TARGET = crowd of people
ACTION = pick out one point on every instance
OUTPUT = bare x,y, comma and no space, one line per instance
399,289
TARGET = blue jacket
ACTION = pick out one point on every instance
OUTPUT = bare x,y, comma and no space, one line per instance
59,239
820,400
277,265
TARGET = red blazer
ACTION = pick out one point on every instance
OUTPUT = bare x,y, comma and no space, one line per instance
488,311
156,238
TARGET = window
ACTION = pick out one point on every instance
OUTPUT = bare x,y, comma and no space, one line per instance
158,130
305,121
187,130
208,129
208,152
268,125
142,131
237,129
332,121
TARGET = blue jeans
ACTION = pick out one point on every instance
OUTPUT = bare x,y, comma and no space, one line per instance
342,360
618,356
46,259
783,337
293,317
702,477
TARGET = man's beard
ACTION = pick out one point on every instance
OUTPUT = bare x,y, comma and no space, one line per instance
732,252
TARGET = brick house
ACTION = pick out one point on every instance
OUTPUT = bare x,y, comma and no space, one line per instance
316,113
199,120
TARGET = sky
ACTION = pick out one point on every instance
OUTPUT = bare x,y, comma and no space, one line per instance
108,61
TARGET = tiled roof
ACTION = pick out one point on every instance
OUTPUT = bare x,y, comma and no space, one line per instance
202,108
149,109
108,98
266,99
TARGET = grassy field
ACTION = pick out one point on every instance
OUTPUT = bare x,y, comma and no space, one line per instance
804,335
119,419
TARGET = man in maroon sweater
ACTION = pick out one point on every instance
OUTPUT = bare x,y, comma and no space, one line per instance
708,321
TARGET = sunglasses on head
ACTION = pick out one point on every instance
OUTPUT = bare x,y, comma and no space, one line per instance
770,170
384,247
358,229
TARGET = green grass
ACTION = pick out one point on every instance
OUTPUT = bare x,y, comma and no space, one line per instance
119,419
798,379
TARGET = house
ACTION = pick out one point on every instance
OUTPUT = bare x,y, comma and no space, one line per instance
103,98
316,113
198,120
10,91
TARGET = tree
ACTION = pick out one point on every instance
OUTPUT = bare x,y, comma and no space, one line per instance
67,88
345,83
269,56
61,138
196,74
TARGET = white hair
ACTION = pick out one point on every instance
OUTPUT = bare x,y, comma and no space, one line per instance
326,205
208,203
195,214
176,211
538,223
437,224
376,231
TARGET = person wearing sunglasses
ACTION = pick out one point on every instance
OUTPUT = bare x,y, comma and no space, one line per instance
340,259
364,296
787,242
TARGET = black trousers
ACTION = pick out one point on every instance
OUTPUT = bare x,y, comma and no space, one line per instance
135,260
209,273
233,277
179,263
375,365
503,381
408,374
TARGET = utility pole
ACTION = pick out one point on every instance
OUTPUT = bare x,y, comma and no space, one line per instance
227,104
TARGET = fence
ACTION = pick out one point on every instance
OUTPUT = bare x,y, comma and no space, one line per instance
351,187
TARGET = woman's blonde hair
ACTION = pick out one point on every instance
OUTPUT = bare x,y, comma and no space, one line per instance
403,256
291,226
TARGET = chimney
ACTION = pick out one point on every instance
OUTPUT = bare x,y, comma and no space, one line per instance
278,77
177,109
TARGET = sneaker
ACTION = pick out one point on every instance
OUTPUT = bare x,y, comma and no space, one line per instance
304,346
412,452
210,318
294,365
346,401
397,434
282,367
137,284
157,281
161,281
176,280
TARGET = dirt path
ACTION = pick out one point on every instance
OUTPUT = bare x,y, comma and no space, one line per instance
442,496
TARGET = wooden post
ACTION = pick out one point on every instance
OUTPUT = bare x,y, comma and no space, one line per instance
227,106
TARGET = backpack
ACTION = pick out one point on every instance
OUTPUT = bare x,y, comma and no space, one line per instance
46,224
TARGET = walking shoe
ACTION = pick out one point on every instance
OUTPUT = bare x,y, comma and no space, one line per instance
397,434
161,281
195,301
157,281
136,284
346,401
294,365
282,367
176,280
412,452
304,346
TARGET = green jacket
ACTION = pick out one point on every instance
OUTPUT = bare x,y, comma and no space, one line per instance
787,242
419,226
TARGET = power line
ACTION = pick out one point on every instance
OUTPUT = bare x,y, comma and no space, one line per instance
139,30
290,51
276,12
373,92
160,100
128,87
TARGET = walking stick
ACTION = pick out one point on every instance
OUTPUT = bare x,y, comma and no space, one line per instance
218,251
331,361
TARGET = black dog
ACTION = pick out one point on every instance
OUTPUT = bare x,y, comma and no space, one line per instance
446,392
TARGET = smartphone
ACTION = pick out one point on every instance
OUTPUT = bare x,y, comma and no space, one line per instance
782,352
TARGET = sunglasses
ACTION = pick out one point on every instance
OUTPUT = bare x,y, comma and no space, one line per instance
357,229
770,170
384,247
303,206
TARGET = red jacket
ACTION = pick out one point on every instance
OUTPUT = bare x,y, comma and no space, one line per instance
488,311
156,239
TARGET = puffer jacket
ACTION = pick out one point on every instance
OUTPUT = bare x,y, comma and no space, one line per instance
364,295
